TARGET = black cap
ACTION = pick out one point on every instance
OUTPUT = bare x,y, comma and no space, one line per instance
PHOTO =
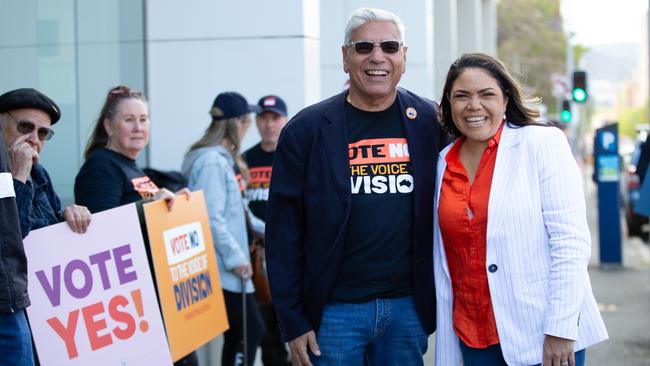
231,105
273,103
29,98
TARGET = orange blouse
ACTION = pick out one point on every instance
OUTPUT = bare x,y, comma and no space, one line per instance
463,217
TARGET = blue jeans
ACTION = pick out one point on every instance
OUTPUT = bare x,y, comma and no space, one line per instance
378,332
492,356
15,340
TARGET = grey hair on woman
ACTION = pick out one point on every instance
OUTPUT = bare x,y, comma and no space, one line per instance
362,16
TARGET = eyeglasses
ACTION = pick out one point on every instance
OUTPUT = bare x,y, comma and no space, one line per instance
366,47
27,127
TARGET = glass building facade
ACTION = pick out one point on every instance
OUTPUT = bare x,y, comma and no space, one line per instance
73,51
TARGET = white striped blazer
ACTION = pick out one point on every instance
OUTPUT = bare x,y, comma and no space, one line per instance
537,236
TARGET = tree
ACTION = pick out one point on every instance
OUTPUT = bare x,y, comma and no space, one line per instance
629,118
532,42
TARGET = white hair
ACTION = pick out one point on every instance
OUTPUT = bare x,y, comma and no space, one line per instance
362,16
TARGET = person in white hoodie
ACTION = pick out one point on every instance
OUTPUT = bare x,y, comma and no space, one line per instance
212,164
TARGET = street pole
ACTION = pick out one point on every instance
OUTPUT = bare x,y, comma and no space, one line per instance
575,109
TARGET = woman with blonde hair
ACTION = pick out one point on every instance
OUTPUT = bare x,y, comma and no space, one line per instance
212,164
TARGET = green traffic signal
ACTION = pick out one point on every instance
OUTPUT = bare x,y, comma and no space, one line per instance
565,116
579,95
579,91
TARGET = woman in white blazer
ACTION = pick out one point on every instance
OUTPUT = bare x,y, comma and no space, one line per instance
511,238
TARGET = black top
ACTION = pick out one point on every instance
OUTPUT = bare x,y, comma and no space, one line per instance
308,212
109,179
13,263
376,259
260,165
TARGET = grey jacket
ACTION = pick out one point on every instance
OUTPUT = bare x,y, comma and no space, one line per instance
211,169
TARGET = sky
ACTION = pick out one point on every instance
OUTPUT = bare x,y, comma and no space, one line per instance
605,21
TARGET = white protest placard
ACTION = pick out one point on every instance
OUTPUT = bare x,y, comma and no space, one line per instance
93,300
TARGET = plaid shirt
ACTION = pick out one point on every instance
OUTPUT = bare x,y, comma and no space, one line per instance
38,205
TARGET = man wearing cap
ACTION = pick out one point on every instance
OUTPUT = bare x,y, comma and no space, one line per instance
270,121
27,116
349,230
15,337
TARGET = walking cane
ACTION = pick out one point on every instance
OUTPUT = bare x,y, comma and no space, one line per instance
244,316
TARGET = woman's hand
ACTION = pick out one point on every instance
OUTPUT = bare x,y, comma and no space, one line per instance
558,351
184,191
244,271
169,197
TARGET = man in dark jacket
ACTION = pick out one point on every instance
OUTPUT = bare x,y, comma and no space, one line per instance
349,233
15,337
26,116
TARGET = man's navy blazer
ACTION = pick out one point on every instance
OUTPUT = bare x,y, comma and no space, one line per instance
309,209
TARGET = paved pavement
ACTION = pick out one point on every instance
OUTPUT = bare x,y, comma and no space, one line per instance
623,295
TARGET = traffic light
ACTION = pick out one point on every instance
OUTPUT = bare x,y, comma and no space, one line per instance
565,114
579,90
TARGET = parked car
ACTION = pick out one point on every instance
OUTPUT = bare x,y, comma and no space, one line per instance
630,186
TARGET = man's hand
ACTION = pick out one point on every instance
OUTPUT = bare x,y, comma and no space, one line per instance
558,351
22,157
77,217
298,347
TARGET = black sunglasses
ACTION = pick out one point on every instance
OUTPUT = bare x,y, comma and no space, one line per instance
27,127
366,47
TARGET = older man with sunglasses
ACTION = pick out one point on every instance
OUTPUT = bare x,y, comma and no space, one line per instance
27,116
349,233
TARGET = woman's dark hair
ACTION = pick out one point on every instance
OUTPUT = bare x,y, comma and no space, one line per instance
99,137
517,111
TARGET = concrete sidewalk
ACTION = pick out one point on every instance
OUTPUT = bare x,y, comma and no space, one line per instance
623,296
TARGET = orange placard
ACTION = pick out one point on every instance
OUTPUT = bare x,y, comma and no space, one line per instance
186,272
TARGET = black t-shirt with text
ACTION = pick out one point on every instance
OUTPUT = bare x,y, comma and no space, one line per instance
109,179
376,259
260,164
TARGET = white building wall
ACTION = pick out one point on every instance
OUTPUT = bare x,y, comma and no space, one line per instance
489,27
417,17
198,49
470,26
446,41
291,48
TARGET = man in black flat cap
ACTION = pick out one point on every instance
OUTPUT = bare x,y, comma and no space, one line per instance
26,116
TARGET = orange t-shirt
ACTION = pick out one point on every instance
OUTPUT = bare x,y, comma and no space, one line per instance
463,217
